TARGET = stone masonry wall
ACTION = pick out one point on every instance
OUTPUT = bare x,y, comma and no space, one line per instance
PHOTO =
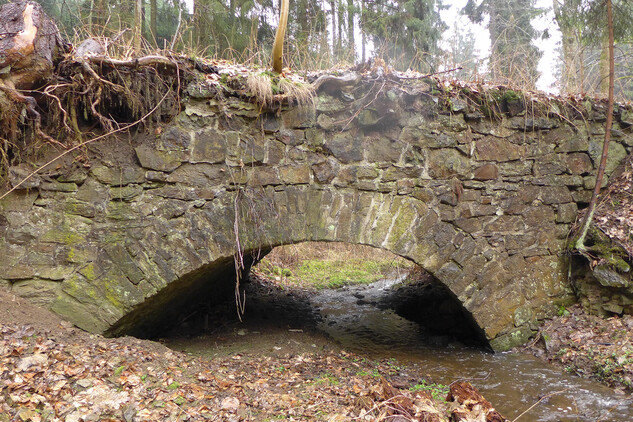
483,204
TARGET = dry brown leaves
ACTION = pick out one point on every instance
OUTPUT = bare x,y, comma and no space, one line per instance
67,375
614,213
592,346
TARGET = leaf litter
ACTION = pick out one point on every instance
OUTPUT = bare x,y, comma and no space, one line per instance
590,346
51,371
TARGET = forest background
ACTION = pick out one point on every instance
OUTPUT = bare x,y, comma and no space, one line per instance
406,34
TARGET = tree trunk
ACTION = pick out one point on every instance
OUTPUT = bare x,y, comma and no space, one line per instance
28,51
97,17
333,9
153,6
341,24
363,40
278,46
138,24
572,60
580,243
90,14
350,30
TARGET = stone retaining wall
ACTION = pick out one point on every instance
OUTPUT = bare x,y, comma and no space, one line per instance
484,205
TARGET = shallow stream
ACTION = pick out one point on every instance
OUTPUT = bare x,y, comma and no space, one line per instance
354,319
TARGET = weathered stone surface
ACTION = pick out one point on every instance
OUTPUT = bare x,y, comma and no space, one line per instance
345,147
529,123
208,147
550,164
579,163
295,175
512,339
382,149
20,200
325,171
453,122
199,175
161,160
246,149
484,205
567,213
291,137
118,176
74,175
617,153
80,208
19,272
393,173
495,149
445,163
262,176
125,193
299,117
40,292
486,172
175,138
369,117
610,278
20,177
92,192
328,104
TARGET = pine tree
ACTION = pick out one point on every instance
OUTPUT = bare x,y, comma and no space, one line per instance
513,57
405,33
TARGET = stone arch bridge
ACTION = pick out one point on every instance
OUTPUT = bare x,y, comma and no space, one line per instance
483,204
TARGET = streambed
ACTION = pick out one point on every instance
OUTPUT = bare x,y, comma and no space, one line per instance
357,319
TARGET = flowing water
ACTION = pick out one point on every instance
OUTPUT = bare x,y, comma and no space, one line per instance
353,319
512,382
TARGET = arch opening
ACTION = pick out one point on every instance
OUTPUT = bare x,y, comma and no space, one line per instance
339,289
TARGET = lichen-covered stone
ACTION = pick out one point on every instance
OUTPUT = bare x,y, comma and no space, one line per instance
125,193
611,278
120,176
20,200
328,104
160,160
617,153
515,338
208,147
345,147
495,149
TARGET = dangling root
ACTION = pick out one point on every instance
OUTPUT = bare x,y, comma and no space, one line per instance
30,104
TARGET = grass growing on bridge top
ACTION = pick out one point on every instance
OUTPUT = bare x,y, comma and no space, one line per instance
320,265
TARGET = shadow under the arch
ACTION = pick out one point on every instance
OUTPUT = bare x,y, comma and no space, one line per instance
422,310
429,303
